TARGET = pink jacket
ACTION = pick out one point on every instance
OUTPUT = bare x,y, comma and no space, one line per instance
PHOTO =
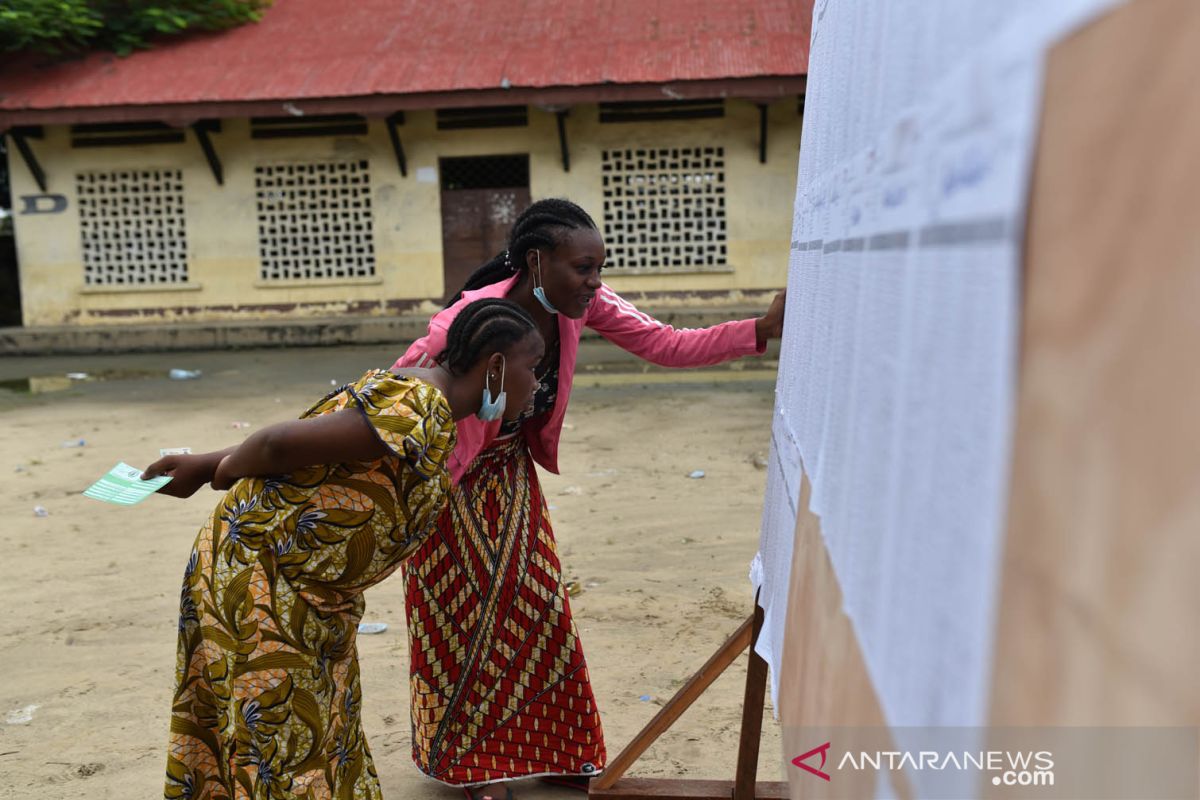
612,317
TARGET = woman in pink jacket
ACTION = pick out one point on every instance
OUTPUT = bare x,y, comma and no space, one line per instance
499,685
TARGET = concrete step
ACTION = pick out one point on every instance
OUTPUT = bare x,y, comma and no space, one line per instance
78,340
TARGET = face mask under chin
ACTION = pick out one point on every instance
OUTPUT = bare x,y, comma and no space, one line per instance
538,291
492,407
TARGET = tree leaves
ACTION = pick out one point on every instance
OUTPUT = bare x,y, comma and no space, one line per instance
61,27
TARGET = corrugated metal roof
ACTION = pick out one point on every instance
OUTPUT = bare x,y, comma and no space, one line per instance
307,49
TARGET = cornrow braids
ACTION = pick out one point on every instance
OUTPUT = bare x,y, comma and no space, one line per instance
540,225
484,327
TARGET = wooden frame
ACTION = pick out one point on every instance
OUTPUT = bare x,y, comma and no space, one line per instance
612,785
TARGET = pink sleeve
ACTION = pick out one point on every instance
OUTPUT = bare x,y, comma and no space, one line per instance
473,434
617,320
423,351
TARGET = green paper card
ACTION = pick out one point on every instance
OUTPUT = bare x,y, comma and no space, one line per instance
123,485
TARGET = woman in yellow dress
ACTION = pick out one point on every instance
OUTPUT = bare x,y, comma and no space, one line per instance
267,700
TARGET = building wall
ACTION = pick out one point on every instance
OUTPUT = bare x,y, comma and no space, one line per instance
223,262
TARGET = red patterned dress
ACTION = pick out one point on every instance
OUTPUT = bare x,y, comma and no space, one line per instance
499,684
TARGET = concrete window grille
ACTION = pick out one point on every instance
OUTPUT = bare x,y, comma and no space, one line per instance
664,208
133,227
314,220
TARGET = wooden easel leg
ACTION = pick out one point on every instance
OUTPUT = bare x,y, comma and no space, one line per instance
752,714
609,785
686,695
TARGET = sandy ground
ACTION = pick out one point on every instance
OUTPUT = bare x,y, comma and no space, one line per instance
87,643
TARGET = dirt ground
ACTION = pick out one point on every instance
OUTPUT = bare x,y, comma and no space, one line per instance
87,643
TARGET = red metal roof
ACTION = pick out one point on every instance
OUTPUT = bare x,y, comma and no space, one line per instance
305,50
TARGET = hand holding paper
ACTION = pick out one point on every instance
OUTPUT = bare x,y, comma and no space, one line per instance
187,472
123,485
770,324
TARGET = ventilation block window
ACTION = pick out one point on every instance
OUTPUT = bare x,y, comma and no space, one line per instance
449,119
314,220
664,208
661,110
122,134
308,126
132,226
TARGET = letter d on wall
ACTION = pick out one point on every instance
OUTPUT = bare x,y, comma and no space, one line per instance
44,203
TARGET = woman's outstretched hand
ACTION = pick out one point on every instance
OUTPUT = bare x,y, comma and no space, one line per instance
188,472
770,325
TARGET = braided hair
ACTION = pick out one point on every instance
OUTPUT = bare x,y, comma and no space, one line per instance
482,328
540,225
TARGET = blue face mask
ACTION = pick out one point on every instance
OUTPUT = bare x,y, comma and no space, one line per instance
540,294
538,291
492,408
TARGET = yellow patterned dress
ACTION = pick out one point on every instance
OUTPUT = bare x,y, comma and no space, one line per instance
267,699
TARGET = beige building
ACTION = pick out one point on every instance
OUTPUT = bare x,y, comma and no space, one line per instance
295,208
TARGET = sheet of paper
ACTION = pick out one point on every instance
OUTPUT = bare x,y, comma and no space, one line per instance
123,486
897,365
771,567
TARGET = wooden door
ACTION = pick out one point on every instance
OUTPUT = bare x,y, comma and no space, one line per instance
477,219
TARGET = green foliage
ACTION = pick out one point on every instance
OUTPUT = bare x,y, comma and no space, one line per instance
50,26
58,27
